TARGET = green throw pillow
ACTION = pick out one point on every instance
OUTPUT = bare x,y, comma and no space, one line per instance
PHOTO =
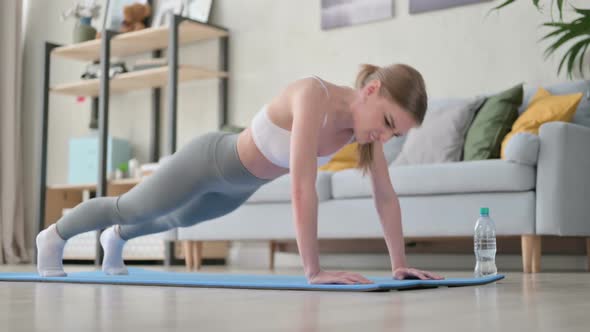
491,124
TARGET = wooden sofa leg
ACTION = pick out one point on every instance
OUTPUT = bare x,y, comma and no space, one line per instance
526,243
588,252
187,248
531,253
198,254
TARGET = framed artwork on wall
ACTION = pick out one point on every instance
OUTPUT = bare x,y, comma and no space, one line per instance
343,13
421,6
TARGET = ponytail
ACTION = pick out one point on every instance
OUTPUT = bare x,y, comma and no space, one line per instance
365,151
366,71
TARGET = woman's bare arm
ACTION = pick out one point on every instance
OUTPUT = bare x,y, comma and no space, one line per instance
388,208
307,115
307,106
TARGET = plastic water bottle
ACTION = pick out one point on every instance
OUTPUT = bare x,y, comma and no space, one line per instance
485,244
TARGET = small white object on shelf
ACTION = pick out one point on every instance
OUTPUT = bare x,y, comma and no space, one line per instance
134,171
148,169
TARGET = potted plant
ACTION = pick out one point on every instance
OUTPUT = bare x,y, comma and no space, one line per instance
84,11
575,33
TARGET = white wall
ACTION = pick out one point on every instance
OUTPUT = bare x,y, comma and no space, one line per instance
460,52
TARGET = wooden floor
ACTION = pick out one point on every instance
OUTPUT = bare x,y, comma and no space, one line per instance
521,302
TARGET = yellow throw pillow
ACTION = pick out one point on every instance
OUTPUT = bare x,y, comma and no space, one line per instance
347,157
543,107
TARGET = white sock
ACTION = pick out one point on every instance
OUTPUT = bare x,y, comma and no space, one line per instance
50,251
112,245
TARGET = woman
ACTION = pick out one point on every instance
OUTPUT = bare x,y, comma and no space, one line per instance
300,129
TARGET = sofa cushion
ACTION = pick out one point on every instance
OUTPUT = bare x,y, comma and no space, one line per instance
346,157
544,107
491,124
492,175
523,148
582,115
279,190
393,147
440,137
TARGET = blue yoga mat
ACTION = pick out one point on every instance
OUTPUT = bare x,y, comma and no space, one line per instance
138,276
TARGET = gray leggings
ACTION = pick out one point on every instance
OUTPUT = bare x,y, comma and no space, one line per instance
205,179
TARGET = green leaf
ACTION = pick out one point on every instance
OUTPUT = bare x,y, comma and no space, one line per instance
571,55
560,8
583,12
509,2
506,3
551,34
574,50
567,36
566,32
123,167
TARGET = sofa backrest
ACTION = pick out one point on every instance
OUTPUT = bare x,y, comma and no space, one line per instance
393,147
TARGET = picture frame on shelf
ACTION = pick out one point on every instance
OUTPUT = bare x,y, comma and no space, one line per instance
164,8
198,10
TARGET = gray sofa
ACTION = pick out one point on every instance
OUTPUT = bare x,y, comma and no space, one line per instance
441,200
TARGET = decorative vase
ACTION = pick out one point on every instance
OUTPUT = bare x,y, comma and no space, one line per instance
83,31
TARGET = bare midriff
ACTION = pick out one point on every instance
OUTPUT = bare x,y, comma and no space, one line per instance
254,160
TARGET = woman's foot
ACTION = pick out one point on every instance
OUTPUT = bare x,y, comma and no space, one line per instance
50,250
112,245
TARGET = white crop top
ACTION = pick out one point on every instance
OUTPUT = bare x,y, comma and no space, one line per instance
275,142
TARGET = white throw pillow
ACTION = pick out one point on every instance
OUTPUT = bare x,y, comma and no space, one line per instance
441,136
523,148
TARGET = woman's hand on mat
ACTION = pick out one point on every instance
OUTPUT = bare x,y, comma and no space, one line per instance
335,277
410,273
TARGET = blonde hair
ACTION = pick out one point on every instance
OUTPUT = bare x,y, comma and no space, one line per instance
400,83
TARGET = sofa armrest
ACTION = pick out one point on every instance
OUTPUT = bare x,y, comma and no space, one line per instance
563,180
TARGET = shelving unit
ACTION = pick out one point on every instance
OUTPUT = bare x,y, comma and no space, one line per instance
180,31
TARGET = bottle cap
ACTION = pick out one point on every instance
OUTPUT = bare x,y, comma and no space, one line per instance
484,211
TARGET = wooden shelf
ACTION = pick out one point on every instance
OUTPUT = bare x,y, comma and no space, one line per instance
92,186
141,41
134,80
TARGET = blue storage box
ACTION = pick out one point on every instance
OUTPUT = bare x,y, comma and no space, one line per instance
83,159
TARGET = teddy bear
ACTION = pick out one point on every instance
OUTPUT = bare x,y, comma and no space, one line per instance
134,16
